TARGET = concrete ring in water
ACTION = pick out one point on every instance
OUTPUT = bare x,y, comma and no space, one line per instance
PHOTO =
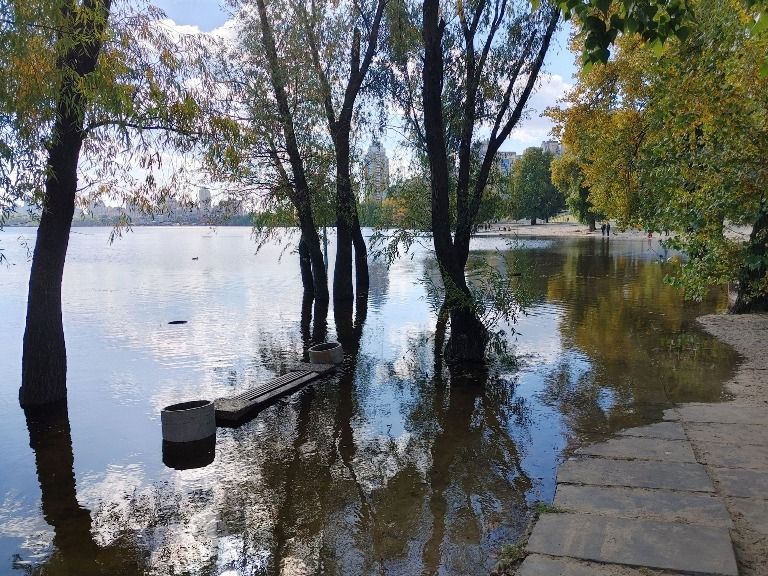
188,421
326,353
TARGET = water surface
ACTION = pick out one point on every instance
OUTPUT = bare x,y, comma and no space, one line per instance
395,465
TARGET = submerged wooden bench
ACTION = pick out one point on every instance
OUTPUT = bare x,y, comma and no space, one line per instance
233,410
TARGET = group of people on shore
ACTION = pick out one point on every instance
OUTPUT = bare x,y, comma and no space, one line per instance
605,229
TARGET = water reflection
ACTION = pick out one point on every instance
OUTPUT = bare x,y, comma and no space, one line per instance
395,465
75,551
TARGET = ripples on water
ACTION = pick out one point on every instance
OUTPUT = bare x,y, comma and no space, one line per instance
393,466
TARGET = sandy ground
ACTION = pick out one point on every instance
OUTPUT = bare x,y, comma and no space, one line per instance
748,334
556,229
574,229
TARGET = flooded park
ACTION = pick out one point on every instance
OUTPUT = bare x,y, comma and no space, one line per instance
396,464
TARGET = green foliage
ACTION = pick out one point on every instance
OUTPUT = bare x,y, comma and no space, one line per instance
678,143
546,508
148,97
655,21
569,180
532,193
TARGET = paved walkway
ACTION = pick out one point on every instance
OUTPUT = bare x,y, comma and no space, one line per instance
685,496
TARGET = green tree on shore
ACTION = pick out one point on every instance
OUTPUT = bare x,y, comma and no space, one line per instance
677,142
533,195
569,180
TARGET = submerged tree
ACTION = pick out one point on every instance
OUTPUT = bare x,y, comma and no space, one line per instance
88,76
457,68
327,28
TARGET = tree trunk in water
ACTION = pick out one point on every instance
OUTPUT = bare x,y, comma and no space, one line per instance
305,264
533,221
44,360
468,339
362,280
348,233
342,273
301,198
758,250
591,222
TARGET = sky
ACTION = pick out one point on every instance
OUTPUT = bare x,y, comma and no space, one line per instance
556,78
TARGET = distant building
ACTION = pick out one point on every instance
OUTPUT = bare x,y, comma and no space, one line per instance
553,147
376,172
504,159
204,197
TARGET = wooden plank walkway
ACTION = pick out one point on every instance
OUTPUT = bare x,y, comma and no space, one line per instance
234,410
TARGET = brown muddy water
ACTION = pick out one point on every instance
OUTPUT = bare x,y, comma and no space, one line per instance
393,466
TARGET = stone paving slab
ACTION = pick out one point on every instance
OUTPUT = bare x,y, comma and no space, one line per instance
754,511
538,565
728,412
661,505
664,430
742,483
735,456
727,433
636,473
661,545
630,447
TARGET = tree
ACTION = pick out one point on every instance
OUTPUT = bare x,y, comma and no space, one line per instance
676,142
533,194
300,190
569,180
83,76
451,75
329,36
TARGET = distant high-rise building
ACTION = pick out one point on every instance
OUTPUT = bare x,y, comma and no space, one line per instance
505,159
376,172
553,147
204,197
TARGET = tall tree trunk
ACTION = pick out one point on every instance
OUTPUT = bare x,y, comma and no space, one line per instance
44,360
305,264
362,278
757,251
348,233
301,194
591,222
533,221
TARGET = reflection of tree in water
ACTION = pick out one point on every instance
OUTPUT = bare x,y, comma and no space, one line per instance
631,347
378,273
310,486
75,552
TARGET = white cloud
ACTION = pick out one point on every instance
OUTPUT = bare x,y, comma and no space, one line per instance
535,128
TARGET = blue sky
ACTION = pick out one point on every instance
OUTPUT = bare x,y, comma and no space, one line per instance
556,79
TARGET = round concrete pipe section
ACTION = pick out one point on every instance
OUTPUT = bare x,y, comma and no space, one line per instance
188,421
326,353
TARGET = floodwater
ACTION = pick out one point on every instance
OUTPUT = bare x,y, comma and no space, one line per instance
393,466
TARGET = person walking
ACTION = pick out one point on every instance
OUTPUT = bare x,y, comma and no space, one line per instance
608,228
602,229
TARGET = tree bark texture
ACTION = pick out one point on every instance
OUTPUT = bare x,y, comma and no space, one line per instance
44,360
305,265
